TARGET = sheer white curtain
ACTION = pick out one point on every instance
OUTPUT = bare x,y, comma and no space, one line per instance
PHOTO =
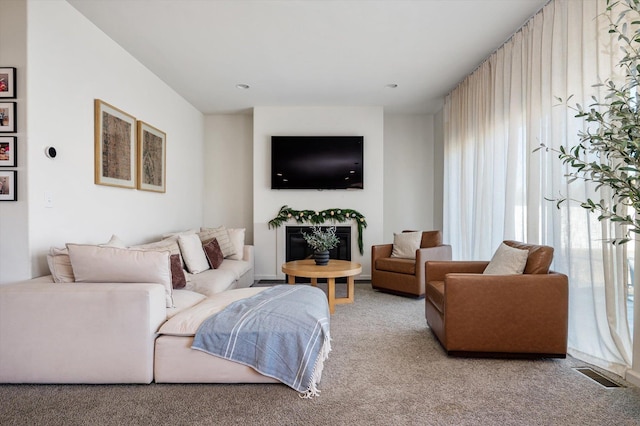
496,185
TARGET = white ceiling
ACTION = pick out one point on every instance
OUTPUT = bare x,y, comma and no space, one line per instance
310,52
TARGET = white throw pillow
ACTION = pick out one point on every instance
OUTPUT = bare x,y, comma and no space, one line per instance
114,241
222,235
95,264
405,244
236,236
176,234
507,261
192,253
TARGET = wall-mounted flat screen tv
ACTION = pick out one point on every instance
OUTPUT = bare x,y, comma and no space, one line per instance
317,162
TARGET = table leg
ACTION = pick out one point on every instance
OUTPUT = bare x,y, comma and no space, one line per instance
350,289
350,292
291,279
331,289
314,282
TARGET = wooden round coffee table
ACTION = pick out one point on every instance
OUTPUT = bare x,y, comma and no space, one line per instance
307,268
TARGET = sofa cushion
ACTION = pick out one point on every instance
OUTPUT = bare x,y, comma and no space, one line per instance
178,280
540,257
192,253
60,265
394,264
186,323
236,236
507,261
237,267
170,243
211,281
405,244
213,253
222,235
184,299
116,265
434,292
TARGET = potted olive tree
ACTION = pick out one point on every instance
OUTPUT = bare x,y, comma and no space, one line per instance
321,241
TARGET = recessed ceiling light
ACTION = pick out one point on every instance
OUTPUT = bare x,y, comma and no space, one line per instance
391,85
242,86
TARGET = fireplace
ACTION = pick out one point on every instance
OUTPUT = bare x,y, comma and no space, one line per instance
297,249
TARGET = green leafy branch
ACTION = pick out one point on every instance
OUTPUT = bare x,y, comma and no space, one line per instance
319,217
608,153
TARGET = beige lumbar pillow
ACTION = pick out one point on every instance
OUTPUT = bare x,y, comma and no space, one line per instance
95,264
405,244
60,264
507,260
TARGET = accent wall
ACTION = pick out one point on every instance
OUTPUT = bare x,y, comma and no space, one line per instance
310,121
70,62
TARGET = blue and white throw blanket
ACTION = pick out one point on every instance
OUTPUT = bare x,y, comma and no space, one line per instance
281,332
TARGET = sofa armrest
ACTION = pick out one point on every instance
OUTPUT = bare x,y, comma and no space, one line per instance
436,270
248,254
524,313
79,333
380,251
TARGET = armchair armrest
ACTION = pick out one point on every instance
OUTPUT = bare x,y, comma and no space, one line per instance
436,271
379,251
428,254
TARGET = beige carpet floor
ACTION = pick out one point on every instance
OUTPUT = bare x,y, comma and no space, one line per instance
386,368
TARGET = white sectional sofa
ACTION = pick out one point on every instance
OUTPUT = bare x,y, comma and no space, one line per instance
119,332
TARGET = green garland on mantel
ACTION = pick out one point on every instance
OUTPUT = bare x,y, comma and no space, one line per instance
319,217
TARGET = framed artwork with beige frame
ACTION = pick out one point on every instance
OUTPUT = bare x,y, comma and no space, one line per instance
115,146
152,158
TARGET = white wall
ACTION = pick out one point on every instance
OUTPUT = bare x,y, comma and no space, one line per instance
228,172
438,171
349,121
70,63
409,183
14,242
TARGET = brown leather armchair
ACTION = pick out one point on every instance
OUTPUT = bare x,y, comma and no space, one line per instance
405,277
499,315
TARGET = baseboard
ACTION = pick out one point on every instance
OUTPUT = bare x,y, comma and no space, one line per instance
633,377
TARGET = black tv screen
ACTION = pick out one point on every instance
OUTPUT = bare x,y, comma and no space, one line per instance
317,162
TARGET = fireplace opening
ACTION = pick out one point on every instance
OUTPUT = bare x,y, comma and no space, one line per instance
297,248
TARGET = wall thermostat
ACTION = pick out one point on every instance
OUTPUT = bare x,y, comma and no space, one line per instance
50,152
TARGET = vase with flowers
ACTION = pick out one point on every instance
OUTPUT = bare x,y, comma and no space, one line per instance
321,241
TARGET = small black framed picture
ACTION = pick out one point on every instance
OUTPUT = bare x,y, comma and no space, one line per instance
8,151
7,83
7,117
8,185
